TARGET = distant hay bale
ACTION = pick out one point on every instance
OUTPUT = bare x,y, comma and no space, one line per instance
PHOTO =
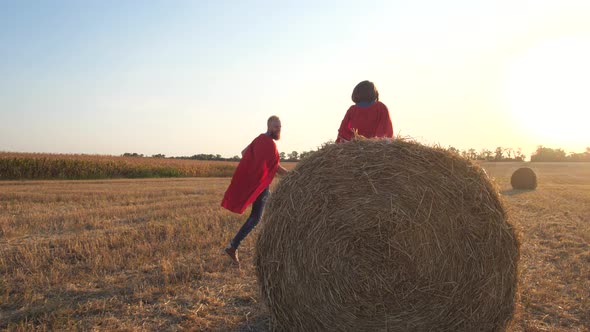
524,179
372,235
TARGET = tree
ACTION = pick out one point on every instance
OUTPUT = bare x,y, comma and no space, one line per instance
485,154
584,156
282,156
499,154
159,155
548,154
132,154
305,154
453,149
293,156
518,155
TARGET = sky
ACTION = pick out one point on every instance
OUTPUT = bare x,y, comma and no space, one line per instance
186,77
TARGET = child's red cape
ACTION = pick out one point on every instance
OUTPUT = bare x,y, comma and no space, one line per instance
254,173
370,121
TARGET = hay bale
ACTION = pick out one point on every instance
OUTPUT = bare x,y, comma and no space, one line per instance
524,179
373,235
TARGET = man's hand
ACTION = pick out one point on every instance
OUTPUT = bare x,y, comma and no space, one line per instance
282,170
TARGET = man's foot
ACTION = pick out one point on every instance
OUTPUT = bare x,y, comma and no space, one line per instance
233,254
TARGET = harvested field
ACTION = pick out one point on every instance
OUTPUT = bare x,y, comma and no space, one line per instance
146,254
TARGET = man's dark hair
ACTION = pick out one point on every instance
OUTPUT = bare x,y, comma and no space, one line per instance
365,91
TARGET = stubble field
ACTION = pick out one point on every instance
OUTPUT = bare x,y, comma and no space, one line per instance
146,254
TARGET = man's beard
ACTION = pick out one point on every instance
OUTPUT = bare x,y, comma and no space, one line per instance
276,135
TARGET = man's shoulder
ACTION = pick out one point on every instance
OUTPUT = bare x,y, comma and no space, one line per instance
256,139
261,137
264,139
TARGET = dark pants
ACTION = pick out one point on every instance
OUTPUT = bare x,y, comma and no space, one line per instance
253,220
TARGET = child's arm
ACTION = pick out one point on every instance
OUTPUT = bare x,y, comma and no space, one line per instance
344,133
385,128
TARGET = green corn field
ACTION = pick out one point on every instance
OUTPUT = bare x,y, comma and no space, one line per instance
36,166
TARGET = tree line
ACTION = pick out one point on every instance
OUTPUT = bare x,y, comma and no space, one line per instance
548,154
201,156
499,154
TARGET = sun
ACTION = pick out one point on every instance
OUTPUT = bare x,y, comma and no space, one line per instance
547,92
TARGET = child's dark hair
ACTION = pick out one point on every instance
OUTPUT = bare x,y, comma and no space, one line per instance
365,91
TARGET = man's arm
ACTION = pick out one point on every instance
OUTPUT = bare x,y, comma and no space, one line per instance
282,170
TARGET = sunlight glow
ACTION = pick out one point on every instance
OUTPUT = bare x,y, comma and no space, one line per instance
547,91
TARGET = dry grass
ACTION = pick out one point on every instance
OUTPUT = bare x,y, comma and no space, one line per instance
146,254
555,253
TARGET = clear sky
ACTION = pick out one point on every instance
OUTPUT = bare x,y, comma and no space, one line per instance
189,77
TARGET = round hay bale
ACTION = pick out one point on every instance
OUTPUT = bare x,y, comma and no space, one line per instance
524,179
376,235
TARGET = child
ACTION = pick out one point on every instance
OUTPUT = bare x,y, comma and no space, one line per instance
368,117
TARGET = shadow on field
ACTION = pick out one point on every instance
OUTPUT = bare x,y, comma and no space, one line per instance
257,323
513,192
78,303
55,300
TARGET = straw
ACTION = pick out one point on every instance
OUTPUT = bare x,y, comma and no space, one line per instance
375,235
524,179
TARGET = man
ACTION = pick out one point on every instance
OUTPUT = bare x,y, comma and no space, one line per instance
255,172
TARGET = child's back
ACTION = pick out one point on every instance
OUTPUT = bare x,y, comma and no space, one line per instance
368,117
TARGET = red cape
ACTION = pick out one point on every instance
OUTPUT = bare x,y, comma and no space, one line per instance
255,172
371,121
